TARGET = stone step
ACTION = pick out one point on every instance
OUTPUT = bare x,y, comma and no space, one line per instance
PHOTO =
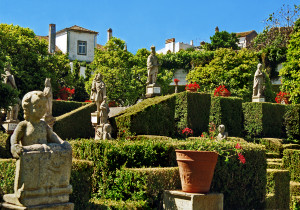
273,155
295,188
274,165
275,160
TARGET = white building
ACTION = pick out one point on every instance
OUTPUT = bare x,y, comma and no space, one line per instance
245,38
173,47
78,42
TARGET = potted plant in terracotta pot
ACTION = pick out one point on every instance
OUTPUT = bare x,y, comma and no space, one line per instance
196,168
222,91
192,87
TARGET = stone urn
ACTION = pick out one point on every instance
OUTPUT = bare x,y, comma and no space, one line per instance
196,170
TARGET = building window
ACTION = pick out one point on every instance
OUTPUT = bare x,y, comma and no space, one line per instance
81,49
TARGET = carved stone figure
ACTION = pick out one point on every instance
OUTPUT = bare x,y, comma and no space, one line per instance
44,161
8,77
258,82
222,134
104,110
152,66
98,90
49,96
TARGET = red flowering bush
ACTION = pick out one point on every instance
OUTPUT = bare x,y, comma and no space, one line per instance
176,81
219,91
282,96
239,149
187,131
193,86
88,101
112,104
65,93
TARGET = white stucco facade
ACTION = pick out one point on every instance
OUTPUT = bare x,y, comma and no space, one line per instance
174,47
242,42
181,75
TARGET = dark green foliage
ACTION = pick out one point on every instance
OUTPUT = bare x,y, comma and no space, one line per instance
292,121
153,116
272,144
63,107
7,176
222,39
278,189
5,145
81,181
243,185
227,111
192,111
264,119
80,92
107,204
291,161
76,124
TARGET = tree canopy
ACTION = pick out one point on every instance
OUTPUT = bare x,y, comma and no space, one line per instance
222,39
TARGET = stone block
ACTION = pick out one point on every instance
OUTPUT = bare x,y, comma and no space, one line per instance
60,206
174,199
258,99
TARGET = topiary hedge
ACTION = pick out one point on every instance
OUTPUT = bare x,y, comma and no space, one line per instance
81,174
227,111
292,122
192,111
291,161
264,119
63,107
5,145
243,185
76,124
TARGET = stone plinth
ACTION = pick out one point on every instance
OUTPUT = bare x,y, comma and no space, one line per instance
174,199
10,126
258,99
153,90
61,206
42,176
95,118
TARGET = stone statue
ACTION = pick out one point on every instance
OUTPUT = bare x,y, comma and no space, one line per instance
44,161
104,110
258,82
152,66
98,90
8,77
49,96
222,134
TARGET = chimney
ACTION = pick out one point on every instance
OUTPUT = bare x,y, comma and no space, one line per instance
170,40
109,34
125,47
192,42
216,29
52,37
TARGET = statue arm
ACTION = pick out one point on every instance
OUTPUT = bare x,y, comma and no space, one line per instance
16,147
47,91
12,81
52,137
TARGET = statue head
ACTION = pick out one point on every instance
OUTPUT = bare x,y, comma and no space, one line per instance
221,128
259,66
48,82
152,49
7,67
34,105
99,77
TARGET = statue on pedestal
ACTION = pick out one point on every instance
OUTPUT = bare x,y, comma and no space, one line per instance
258,82
104,129
152,66
49,119
98,90
222,134
44,161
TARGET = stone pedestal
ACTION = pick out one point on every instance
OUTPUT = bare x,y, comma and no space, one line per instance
103,131
10,126
153,90
258,99
174,199
61,206
95,118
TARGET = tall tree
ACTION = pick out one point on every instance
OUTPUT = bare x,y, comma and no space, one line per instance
222,39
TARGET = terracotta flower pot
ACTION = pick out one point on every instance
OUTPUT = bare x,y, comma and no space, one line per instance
191,89
196,169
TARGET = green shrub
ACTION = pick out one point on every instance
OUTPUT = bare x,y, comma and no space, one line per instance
272,144
243,185
227,111
264,119
292,121
192,111
278,189
76,124
108,204
7,176
5,145
63,107
291,161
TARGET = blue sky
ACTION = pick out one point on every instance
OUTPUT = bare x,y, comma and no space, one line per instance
143,23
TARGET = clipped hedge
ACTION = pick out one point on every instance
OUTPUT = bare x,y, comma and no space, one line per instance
153,116
192,111
81,174
292,122
272,144
63,107
107,204
5,145
243,185
291,161
264,119
227,111
76,124
278,189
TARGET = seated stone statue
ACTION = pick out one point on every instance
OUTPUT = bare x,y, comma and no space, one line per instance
44,160
222,134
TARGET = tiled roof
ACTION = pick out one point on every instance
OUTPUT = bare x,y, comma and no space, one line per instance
100,47
78,29
242,34
47,39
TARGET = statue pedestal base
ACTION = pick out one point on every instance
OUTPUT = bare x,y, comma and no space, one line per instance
153,90
95,118
50,120
258,99
103,131
10,126
60,206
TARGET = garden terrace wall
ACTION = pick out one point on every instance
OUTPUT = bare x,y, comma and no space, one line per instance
62,107
76,124
291,161
227,111
81,174
264,119
243,185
